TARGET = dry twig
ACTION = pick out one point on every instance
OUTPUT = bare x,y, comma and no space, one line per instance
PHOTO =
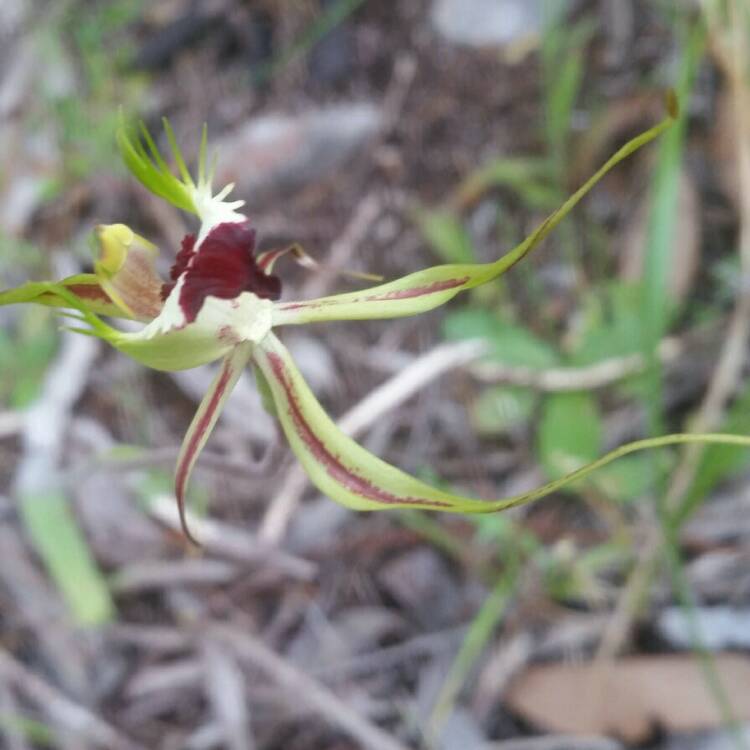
229,541
67,714
302,690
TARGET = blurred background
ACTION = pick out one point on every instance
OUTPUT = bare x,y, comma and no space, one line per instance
385,137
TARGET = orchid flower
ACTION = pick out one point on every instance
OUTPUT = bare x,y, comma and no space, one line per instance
223,302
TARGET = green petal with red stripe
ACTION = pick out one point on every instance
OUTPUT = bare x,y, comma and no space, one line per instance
347,473
338,466
83,287
424,290
204,421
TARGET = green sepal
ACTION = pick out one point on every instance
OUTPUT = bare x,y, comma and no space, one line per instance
427,289
84,288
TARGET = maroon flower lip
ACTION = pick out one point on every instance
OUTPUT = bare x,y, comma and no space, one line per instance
224,267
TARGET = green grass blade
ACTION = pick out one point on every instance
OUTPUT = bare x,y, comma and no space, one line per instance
60,543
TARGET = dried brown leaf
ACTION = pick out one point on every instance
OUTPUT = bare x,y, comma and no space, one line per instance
630,699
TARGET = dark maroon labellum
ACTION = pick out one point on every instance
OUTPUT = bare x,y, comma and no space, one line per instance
224,266
180,264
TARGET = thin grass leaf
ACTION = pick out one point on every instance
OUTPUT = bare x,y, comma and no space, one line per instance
58,540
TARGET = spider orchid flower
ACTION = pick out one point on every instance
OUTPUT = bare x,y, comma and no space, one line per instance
223,302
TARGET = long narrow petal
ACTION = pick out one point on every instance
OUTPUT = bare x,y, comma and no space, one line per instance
267,260
204,420
424,290
85,288
347,473
337,465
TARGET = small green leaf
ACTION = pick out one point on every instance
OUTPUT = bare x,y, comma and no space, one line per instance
527,177
502,409
511,344
569,433
611,324
60,543
447,237
25,356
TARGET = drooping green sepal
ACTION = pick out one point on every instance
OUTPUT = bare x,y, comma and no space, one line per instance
347,473
338,466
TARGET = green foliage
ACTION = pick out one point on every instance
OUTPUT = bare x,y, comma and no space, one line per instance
609,324
502,409
562,51
657,308
31,729
58,540
633,477
718,462
25,353
447,237
87,117
570,432
510,344
527,178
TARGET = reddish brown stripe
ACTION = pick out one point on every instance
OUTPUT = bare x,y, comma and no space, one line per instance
304,305
90,291
183,468
418,291
335,468
396,294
